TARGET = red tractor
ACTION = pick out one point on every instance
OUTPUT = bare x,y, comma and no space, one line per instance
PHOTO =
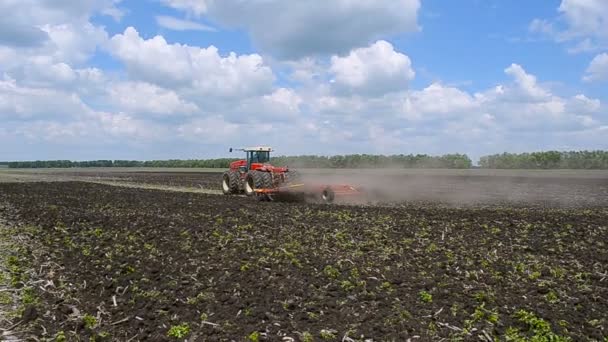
255,173
256,177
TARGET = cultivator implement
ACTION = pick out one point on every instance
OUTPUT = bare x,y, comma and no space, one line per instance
315,192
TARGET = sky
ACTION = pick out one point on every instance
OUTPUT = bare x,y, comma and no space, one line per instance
166,79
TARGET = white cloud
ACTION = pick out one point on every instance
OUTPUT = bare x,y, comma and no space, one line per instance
74,42
542,26
282,105
196,7
124,126
284,101
93,128
581,22
198,96
377,69
585,18
583,104
40,12
437,100
145,98
598,69
69,39
176,24
439,111
17,34
526,82
202,70
211,130
22,103
296,29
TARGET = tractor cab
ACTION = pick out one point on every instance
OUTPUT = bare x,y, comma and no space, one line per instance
256,157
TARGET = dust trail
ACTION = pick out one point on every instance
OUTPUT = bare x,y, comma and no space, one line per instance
467,187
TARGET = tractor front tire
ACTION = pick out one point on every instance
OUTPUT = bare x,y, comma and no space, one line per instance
230,183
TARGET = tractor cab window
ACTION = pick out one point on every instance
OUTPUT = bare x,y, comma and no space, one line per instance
260,157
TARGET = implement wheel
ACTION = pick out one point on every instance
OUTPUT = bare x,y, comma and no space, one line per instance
230,182
328,195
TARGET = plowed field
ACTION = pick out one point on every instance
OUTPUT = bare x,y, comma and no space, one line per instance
117,264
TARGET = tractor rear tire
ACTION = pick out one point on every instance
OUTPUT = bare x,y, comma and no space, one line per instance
267,183
253,181
230,183
266,180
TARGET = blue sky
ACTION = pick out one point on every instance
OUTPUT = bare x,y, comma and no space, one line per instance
160,79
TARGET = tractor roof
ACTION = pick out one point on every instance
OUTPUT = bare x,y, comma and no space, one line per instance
259,148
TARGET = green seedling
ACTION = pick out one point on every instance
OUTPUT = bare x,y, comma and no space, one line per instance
60,337
327,334
331,272
179,331
425,296
89,321
254,336
307,337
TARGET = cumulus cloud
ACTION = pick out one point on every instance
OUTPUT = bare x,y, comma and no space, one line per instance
523,104
145,98
526,82
74,43
348,91
53,35
296,29
597,69
581,22
181,66
212,129
377,69
52,12
20,35
437,100
280,106
196,7
177,24
585,18
19,103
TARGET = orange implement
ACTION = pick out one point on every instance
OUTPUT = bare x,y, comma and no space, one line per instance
325,192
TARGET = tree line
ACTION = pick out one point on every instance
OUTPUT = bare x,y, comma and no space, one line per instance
173,163
448,161
547,160
534,160
453,161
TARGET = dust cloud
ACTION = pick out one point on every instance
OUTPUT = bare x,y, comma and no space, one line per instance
468,187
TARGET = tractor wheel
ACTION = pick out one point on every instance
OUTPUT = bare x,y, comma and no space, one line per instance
266,180
230,183
328,196
253,181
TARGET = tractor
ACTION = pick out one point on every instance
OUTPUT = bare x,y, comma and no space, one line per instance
256,173
256,177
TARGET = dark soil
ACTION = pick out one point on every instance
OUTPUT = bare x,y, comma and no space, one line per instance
516,190
205,180
235,269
